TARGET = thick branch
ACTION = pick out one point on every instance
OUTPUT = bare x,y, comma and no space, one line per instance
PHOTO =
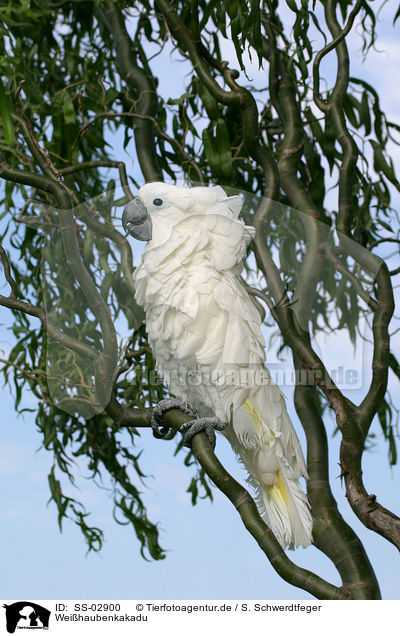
336,112
254,524
121,415
380,358
250,516
139,81
108,358
329,47
290,151
38,181
284,316
365,506
332,535
371,513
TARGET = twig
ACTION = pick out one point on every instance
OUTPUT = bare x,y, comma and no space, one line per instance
39,149
7,273
69,342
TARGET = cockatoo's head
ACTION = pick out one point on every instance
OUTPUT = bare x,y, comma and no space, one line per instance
170,204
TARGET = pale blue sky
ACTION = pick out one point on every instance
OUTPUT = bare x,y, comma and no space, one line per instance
210,555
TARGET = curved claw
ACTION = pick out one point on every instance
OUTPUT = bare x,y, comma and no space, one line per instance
207,424
160,430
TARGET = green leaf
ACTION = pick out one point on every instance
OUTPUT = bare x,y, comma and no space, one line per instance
5,115
218,150
223,147
68,109
365,115
211,105
385,417
193,490
386,226
111,96
351,107
381,164
232,8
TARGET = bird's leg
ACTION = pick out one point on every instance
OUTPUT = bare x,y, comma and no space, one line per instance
160,430
189,429
207,424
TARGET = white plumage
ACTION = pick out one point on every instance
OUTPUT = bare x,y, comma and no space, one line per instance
206,337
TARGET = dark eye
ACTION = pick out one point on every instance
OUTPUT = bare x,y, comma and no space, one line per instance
157,202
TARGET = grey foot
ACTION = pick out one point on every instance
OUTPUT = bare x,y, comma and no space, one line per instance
160,430
207,424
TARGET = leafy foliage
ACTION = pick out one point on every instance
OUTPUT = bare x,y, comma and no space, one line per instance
91,85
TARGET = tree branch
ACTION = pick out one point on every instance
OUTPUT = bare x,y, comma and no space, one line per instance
332,535
35,180
284,316
322,105
336,112
121,415
38,153
290,150
254,524
7,273
31,310
103,163
249,514
331,252
140,81
368,510
236,97
106,362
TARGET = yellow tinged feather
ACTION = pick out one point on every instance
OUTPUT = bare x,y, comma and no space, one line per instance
280,392
257,418
255,414
282,487
278,491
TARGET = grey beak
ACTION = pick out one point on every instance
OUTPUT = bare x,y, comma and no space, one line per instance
136,221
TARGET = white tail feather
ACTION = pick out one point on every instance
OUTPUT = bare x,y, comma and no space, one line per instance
270,451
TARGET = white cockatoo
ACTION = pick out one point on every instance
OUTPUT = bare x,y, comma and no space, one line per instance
205,333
